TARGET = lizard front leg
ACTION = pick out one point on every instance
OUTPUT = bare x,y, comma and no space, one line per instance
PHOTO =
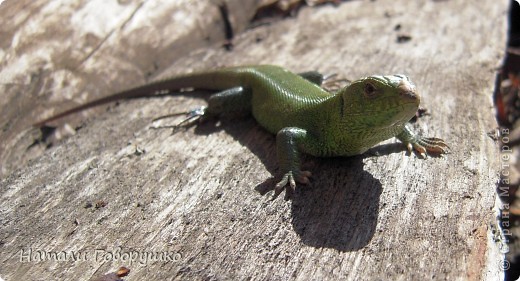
422,145
289,143
325,81
313,76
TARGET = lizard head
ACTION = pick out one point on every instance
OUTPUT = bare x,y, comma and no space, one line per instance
380,101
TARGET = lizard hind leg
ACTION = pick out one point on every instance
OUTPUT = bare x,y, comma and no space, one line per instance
230,101
235,100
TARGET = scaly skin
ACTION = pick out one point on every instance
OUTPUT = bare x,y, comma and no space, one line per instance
305,117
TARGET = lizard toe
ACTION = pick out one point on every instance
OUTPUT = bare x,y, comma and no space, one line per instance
289,180
424,146
303,177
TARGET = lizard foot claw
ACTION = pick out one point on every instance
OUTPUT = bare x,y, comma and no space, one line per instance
425,146
192,116
291,178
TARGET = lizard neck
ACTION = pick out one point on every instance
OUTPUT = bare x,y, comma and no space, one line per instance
343,133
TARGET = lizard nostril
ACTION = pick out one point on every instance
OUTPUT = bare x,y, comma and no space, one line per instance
407,91
409,95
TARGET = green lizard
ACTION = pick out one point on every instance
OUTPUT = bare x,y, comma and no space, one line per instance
305,117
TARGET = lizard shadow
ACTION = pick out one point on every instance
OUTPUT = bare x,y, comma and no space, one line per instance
339,209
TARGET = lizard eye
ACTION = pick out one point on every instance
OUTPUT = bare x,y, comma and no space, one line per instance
370,90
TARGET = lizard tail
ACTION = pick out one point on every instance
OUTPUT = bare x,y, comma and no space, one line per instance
202,80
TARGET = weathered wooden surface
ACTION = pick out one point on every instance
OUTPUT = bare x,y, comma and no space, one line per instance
380,216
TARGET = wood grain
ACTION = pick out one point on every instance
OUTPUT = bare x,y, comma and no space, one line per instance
118,186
